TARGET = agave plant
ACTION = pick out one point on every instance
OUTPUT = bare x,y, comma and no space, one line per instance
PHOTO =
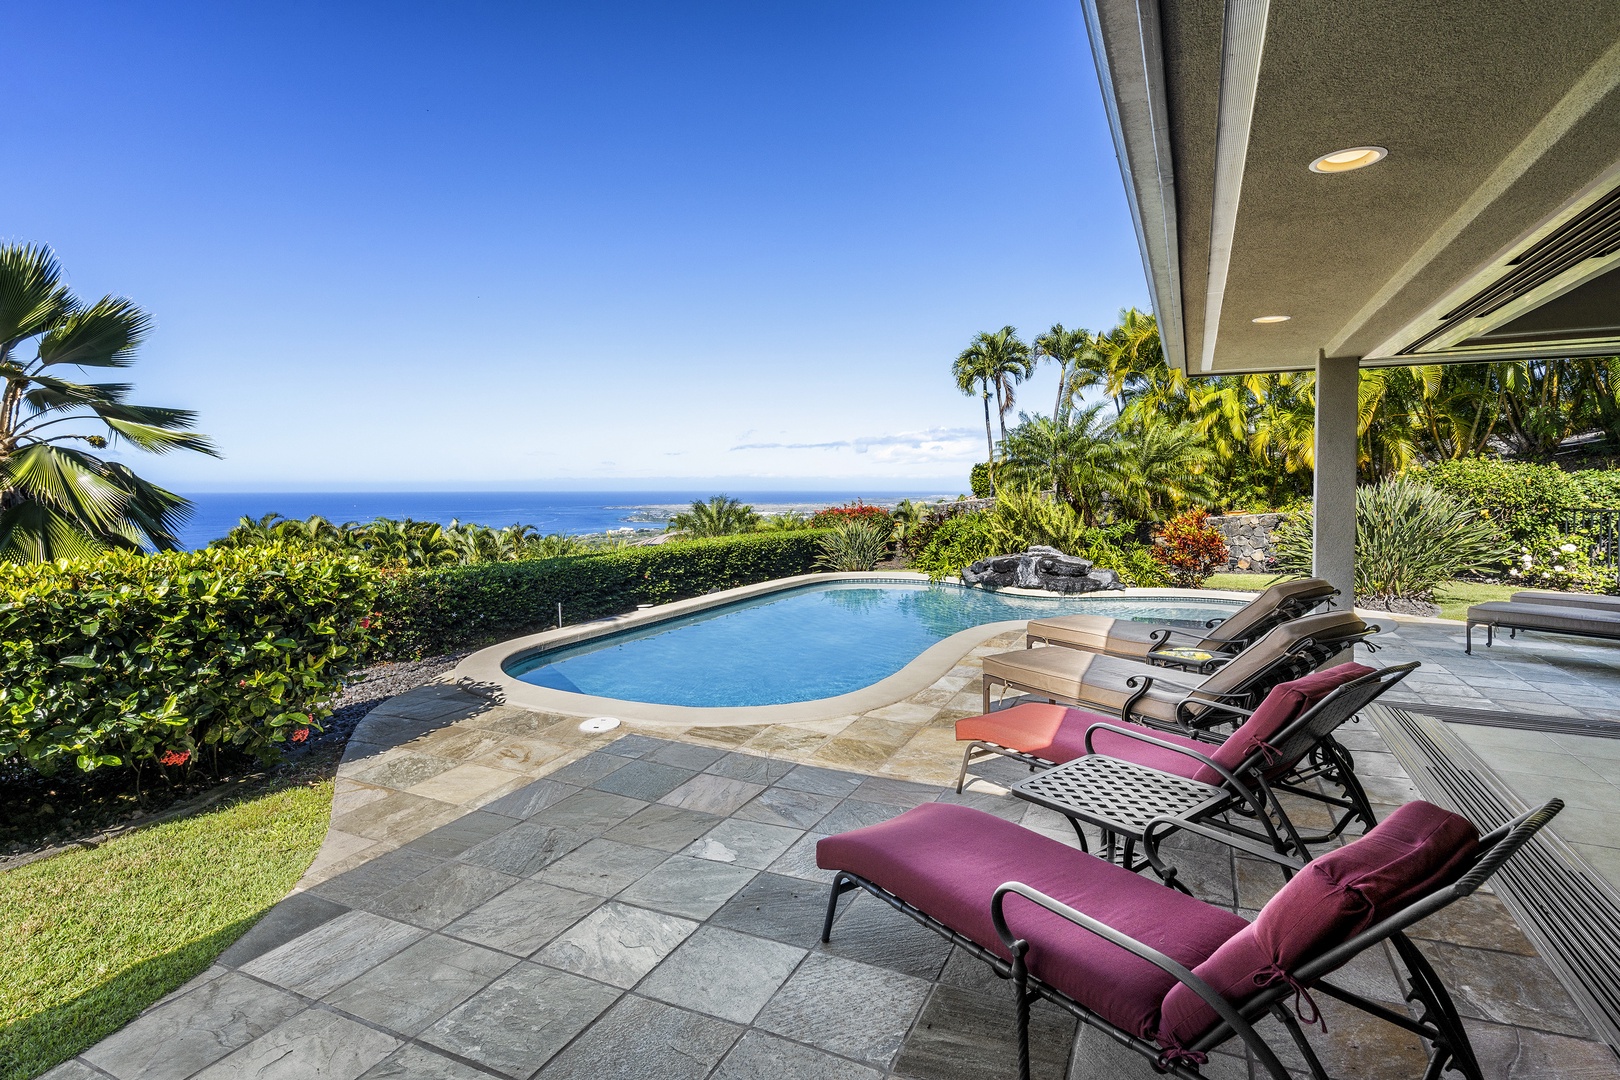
854,544
57,499
1410,538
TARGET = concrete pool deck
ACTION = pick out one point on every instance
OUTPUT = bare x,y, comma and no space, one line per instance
503,895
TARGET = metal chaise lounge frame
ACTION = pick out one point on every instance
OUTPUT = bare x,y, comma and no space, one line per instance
1277,604
1439,1023
1251,794
1575,619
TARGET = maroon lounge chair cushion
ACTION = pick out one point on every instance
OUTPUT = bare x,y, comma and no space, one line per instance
948,861
1417,849
1285,704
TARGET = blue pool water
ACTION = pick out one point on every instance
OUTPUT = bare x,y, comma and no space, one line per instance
807,643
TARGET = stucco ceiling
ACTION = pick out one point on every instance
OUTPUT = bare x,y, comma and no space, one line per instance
1502,122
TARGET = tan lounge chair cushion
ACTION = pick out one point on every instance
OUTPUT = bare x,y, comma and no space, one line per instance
1595,601
1091,680
1564,620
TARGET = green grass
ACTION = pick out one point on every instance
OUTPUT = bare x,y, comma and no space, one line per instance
1240,582
1454,597
93,937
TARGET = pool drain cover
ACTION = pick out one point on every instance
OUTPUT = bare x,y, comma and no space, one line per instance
598,724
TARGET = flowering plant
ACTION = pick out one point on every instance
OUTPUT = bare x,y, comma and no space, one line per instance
1190,548
855,511
1557,561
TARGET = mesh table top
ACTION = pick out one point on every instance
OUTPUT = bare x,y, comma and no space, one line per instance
1115,795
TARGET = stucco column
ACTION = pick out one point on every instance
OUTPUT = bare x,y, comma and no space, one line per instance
1333,556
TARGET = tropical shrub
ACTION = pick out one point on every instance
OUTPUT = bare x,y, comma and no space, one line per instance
1597,487
1022,519
855,511
1190,548
720,516
1521,498
854,544
955,542
1559,562
1410,538
786,521
906,520
134,661
443,609
980,481
403,543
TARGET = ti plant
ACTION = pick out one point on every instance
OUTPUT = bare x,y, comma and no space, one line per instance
58,497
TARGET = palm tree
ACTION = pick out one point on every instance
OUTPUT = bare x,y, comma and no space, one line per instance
1074,457
1008,362
1067,347
720,516
56,499
973,377
1128,352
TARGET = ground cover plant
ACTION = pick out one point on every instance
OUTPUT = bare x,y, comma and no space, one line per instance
172,661
92,937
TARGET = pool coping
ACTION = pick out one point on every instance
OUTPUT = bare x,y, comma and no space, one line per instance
484,671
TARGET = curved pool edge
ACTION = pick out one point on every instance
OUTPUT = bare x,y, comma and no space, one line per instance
485,669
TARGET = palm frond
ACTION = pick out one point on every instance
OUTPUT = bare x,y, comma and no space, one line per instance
32,296
105,334
159,440
71,483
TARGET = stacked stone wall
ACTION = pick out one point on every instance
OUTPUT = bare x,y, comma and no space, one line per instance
1251,540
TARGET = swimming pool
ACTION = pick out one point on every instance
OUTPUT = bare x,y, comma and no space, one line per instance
806,643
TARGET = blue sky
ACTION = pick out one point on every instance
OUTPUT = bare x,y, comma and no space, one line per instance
582,244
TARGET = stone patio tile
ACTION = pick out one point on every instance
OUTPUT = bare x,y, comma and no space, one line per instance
186,1033
633,746
759,1055
645,1040
450,840
996,801
601,867
901,793
1098,1057
316,963
1480,921
820,781
468,784
1505,988
668,828
617,944
712,794
419,984
856,814
785,909
726,737
695,888
751,767
1604,860
799,861
1580,825
1523,1054
377,876
523,918
73,1069
525,849
518,1022
847,1008
963,1035
784,806
874,933
314,1043
401,769
411,1062
790,740
398,816
862,750
744,843
440,896
589,812
588,769
298,914
519,754
686,756
722,973
907,712
644,779
1561,765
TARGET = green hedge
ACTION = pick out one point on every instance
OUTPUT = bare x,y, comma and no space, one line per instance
1524,499
426,612
128,659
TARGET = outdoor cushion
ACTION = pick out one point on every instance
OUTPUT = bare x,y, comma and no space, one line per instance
1600,601
1283,705
1057,733
1559,618
1417,849
1095,633
948,860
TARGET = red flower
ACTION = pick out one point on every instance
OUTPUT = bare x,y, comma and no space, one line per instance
365,624
241,683
174,757
299,736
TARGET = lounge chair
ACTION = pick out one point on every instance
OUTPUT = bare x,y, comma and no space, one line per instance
1581,620
1163,973
1162,696
1135,640
1155,781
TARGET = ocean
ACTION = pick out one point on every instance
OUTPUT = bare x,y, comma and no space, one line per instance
571,512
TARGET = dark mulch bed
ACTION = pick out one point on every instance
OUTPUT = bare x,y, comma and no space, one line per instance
40,814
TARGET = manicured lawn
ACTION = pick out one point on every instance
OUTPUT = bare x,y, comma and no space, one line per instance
1240,582
1454,597
93,937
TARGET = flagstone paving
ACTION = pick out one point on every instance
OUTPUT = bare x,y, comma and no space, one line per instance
501,895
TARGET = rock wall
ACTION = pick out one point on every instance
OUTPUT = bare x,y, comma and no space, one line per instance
1251,540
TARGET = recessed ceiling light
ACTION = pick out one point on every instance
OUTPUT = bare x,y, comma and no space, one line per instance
1266,319
1357,157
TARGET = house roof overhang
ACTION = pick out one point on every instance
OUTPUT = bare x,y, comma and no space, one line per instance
1490,231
